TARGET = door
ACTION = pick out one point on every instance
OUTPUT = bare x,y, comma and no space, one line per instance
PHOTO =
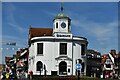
63,68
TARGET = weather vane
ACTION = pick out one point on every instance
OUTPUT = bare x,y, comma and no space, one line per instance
62,6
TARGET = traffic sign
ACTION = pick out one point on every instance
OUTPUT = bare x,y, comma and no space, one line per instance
78,66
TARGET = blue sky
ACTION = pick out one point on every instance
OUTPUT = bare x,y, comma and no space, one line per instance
97,21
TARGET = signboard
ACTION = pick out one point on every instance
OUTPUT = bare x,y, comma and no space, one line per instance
78,67
62,35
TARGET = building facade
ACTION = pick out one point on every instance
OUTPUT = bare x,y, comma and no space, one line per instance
18,63
93,63
110,65
55,51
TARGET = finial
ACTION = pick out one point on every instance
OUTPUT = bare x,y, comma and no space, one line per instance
62,6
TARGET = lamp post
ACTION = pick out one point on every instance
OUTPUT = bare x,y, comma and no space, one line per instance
40,71
44,70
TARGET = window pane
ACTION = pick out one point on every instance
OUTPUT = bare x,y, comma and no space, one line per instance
82,49
63,48
69,25
56,25
69,70
39,48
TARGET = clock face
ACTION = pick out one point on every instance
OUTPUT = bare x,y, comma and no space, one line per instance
63,25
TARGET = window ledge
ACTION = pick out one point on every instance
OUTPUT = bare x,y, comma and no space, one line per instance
39,55
63,55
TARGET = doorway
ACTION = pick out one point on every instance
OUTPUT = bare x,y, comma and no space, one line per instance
63,68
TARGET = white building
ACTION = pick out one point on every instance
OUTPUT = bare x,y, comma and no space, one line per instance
56,50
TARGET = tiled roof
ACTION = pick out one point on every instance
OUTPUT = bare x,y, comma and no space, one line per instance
105,56
93,52
38,32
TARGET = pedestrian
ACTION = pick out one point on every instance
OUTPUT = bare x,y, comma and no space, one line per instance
18,75
26,75
23,75
107,74
1,77
31,74
7,75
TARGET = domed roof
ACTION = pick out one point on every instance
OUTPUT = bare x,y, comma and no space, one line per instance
61,16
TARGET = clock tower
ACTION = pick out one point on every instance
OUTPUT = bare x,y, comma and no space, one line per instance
61,23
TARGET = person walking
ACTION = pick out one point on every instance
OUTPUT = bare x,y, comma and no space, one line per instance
7,76
31,75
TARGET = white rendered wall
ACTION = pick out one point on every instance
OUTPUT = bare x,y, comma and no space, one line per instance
30,60
60,29
47,57
76,55
50,52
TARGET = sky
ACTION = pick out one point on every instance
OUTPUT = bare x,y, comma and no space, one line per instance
96,21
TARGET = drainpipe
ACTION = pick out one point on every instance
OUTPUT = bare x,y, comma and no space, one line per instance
72,56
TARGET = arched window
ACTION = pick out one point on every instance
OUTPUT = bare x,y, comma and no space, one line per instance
39,65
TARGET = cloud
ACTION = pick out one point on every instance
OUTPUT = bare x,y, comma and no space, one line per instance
100,35
17,27
102,31
10,8
49,13
105,33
